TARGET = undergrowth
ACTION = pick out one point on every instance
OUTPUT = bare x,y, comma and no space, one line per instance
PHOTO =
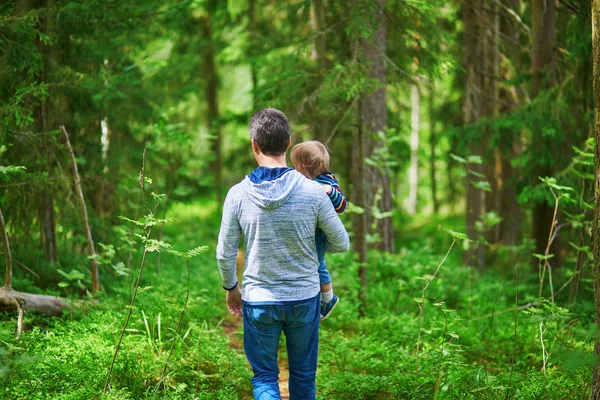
465,350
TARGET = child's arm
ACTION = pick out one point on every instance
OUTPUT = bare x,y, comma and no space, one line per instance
335,193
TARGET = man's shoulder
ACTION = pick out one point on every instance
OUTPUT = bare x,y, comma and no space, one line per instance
311,191
311,186
236,190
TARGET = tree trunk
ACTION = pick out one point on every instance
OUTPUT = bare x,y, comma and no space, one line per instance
491,89
359,221
44,304
322,124
253,41
510,211
432,146
211,94
48,220
413,173
472,112
544,76
7,254
373,119
596,221
102,192
84,215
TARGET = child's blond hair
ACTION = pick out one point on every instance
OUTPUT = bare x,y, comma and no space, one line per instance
310,158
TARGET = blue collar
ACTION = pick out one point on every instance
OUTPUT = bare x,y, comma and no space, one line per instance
262,174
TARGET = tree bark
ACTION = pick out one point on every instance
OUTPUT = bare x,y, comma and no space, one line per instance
596,220
49,57
322,124
48,219
413,173
373,119
432,146
544,76
492,167
510,211
211,95
44,304
359,221
7,254
253,41
84,215
472,112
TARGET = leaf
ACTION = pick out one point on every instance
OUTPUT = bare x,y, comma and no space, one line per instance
542,256
482,185
196,251
130,221
120,269
63,284
12,169
475,160
458,159
476,174
459,235
551,182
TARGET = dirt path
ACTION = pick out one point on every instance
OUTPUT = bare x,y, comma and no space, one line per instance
231,326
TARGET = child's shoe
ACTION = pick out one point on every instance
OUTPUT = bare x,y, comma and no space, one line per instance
326,308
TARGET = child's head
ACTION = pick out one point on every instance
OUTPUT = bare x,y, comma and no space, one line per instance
310,158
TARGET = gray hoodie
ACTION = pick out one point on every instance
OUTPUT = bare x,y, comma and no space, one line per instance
277,220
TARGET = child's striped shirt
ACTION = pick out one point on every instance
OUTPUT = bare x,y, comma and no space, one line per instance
337,197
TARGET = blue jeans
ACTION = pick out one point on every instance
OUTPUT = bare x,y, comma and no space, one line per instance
320,238
263,324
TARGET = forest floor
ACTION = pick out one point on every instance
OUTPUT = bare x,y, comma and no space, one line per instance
448,352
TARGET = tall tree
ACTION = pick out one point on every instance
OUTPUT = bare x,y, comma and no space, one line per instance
322,123
543,67
413,172
373,122
432,145
510,212
472,112
491,59
48,57
213,121
596,221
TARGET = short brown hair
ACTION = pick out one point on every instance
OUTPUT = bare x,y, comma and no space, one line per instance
310,158
270,130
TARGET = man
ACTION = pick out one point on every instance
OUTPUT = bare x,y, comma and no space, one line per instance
276,210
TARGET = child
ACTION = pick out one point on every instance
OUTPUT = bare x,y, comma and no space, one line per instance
312,160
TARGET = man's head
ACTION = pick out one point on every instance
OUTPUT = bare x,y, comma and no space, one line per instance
310,158
270,130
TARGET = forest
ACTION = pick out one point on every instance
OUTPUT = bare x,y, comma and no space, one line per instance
464,133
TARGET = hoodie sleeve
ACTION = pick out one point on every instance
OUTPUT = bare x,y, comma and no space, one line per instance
329,222
229,237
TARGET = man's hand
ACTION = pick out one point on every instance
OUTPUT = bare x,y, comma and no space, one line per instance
234,301
327,188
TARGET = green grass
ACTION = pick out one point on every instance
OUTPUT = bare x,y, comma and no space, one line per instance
464,352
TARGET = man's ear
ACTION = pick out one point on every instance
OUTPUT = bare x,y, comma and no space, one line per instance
255,147
289,144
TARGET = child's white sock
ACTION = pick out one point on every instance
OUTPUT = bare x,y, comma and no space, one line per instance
326,297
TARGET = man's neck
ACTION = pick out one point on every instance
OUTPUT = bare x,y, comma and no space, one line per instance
271,161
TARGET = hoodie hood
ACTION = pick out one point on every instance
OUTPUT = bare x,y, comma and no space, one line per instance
270,188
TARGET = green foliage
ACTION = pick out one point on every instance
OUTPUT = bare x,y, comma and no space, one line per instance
121,74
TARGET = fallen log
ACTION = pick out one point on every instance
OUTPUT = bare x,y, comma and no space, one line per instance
51,305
